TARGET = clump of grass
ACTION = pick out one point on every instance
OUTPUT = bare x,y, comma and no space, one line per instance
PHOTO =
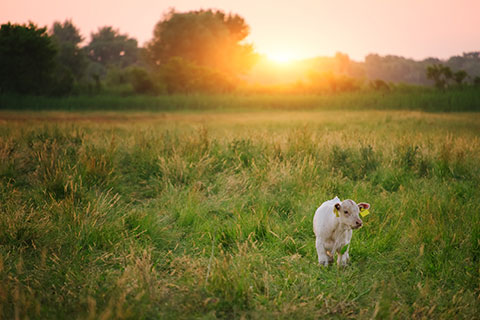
354,164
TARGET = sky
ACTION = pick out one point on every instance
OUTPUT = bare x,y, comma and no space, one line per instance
288,29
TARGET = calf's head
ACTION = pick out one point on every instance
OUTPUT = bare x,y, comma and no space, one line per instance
348,212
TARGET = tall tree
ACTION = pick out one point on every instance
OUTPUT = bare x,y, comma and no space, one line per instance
207,38
71,59
27,59
440,75
459,76
110,48
66,32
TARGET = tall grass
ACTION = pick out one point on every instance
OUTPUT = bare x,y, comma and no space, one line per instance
206,216
466,99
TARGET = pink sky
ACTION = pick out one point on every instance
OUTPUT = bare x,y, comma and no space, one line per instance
411,28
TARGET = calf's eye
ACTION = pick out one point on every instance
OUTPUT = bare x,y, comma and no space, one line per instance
346,212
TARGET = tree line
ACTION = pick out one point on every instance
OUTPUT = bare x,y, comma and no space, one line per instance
193,51
196,51
381,72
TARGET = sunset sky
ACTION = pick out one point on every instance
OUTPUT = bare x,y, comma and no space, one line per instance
296,29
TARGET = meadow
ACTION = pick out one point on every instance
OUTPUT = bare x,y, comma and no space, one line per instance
402,97
207,213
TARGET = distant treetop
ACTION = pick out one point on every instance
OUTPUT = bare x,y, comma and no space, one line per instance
110,48
66,32
206,37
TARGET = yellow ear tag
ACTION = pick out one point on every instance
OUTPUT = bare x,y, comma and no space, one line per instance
335,211
364,212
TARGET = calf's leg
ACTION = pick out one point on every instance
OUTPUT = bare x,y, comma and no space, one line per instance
342,259
322,253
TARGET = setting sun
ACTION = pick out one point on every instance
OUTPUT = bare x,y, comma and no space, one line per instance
280,57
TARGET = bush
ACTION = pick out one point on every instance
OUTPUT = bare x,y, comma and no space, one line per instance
142,81
131,80
182,76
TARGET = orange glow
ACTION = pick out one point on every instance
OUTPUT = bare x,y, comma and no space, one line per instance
308,28
280,57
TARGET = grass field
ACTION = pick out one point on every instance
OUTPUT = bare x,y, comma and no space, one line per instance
408,98
112,215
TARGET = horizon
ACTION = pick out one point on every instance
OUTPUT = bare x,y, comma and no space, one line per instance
449,30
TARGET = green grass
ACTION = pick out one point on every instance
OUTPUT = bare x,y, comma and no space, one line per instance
425,99
112,215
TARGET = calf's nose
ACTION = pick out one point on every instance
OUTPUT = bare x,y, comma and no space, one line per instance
358,223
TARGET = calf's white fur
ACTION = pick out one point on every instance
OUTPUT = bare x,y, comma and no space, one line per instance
333,233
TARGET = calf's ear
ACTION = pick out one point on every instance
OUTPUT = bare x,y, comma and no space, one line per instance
337,206
364,205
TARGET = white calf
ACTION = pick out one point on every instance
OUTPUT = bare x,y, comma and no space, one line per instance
333,228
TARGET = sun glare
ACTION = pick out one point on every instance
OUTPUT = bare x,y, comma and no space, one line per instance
280,57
